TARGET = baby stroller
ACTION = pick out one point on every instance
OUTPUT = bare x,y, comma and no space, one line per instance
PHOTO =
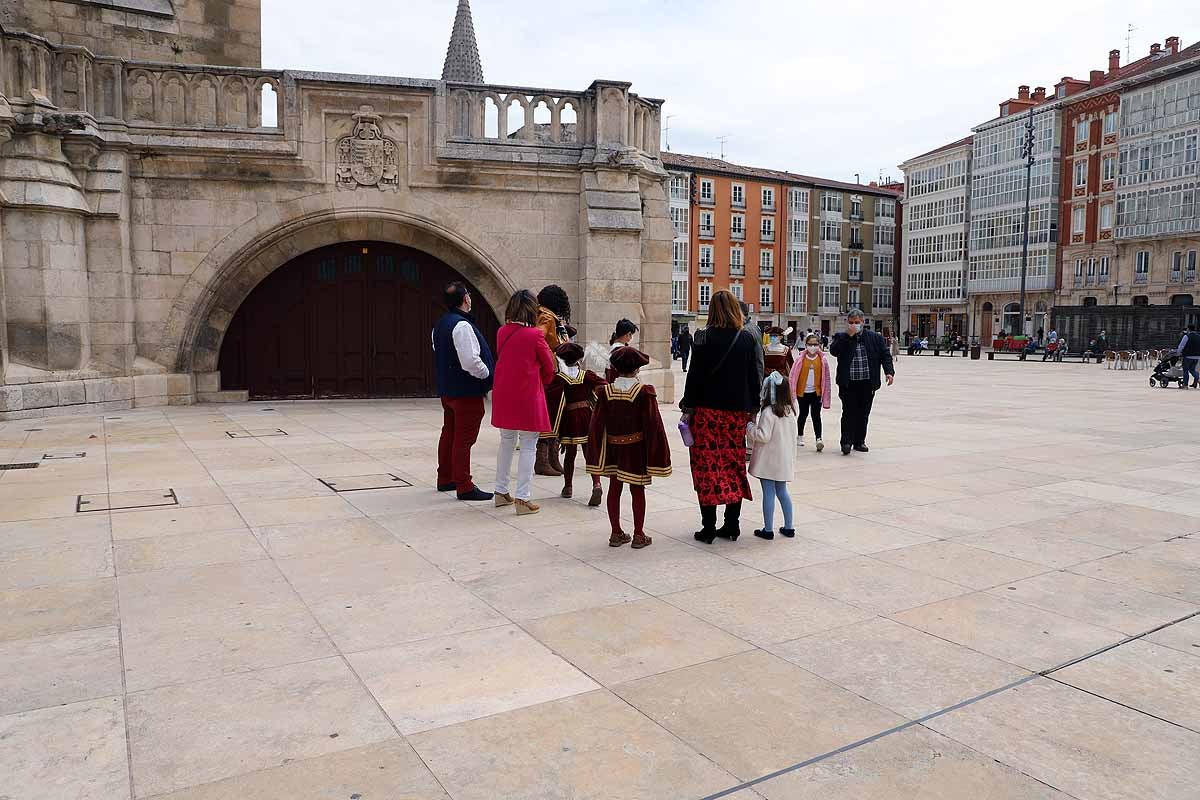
1169,370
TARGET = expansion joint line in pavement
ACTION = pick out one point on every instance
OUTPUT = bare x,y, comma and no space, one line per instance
941,712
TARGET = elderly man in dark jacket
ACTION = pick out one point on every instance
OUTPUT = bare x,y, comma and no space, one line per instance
860,354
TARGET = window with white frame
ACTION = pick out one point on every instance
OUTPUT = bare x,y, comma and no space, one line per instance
885,209
831,201
736,290
706,259
856,206
885,264
706,223
797,263
1191,262
831,231
829,295
855,268
1077,215
1079,268
1081,172
768,228
881,297
1081,130
680,219
738,194
798,200
706,190
768,197
1104,266
680,184
1176,264
1110,122
737,224
852,297
797,298
737,260
679,295
679,260
1106,217
831,264
766,261
764,298
1142,264
705,294
1108,167
798,230
885,234
1091,267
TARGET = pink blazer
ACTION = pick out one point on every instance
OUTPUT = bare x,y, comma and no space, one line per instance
524,365
822,389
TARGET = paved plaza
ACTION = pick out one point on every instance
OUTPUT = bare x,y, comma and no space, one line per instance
246,631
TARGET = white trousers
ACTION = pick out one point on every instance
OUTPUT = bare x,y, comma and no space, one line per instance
504,457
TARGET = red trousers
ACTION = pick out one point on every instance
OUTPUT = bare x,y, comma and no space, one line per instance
461,417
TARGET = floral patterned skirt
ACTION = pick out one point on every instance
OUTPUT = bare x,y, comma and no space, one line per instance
718,456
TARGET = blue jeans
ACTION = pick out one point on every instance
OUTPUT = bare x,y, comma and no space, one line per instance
770,491
1191,366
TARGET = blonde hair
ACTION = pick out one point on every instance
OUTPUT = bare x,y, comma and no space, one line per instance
724,311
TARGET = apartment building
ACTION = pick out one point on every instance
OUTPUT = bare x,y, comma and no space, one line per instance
680,202
937,185
799,250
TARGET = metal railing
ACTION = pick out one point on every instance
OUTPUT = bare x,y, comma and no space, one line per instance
737,269
738,235
707,232
767,236
1141,277
738,203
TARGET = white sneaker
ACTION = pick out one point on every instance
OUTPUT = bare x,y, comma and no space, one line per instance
799,441
820,445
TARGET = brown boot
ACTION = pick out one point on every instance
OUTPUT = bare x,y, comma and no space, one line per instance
555,461
567,491
640,540
597,496
541,466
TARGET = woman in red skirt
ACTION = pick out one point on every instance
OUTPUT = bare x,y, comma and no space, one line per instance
719,399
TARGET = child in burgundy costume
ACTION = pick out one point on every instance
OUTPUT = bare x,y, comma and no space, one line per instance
570,398
627,443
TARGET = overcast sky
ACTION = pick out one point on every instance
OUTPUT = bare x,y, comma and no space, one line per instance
830,89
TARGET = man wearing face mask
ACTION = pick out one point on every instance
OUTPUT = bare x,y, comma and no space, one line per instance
860,354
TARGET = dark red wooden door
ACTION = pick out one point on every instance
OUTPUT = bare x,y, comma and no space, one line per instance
350,320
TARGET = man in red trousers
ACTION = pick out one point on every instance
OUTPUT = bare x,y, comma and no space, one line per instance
464,377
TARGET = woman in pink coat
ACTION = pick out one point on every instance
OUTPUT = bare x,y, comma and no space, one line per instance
524,365
810,380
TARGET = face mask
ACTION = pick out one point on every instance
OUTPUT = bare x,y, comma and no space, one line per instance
812,349
773,339
855,329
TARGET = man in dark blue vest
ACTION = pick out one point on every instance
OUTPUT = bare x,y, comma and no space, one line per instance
464,377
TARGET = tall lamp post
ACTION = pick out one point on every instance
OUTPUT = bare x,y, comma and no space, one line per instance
1027,147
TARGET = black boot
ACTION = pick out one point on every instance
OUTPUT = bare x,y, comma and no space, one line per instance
787,533
705,535
708,525
731,529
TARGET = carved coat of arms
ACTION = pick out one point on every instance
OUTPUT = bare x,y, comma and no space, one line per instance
366,157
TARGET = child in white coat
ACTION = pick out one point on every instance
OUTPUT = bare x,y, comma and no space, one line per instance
773,434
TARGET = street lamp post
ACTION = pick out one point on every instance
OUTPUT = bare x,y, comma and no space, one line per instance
1026,153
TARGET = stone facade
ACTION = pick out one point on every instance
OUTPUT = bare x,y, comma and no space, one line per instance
141,203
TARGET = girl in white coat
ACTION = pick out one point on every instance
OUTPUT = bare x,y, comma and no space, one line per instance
773,434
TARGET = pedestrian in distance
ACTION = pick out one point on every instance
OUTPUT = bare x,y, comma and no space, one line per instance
861,354
627,443
570,397
773,461
685,346
464,365
524,365
719,398
809,383
1189,352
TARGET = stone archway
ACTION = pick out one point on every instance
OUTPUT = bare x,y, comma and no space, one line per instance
206,306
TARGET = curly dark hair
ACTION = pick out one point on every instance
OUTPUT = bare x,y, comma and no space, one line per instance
554,298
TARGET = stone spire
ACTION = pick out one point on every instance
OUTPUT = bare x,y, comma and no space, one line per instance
462,56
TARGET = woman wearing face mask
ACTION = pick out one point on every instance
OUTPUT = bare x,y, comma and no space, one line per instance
810,382
777,356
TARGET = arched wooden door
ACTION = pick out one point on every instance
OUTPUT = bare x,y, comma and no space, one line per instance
349,320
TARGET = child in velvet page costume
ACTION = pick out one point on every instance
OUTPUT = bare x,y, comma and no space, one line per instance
627,443
570,398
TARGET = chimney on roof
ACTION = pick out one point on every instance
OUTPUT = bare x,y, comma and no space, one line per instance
1023,92
1039,93
1114,60
1155,49
1096,77
1172,44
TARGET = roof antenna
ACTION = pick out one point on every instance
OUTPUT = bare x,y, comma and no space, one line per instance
1129,29
722,140
668,130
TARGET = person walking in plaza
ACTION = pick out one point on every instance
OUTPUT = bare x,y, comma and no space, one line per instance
719,398
524,365
463,364
809,383
1189,352
553,318
685,346
622,336
773,433
860,353
627,443
570,397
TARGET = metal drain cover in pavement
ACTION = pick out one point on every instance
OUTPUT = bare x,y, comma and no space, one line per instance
256,434
121,501
359,483
58,456
28,465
